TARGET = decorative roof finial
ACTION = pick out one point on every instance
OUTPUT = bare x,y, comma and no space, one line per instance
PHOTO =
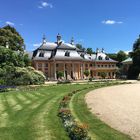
58,37
97,50
103,50
72,41
44,39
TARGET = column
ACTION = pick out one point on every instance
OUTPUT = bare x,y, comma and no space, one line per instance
84,69
81,71
36,66
64,71
55,77
73,71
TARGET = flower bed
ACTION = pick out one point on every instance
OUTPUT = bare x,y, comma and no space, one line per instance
76,131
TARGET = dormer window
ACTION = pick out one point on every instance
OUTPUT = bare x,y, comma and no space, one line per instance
41,54
82,55
67,54
106,58
100,58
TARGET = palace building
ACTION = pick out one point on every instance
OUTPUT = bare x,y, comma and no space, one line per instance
53,57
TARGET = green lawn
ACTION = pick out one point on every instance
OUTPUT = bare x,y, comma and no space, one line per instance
32,115
98,130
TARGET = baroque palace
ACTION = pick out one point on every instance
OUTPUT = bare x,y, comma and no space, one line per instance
53,57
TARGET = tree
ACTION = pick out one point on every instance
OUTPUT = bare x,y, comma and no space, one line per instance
121,56
79,46
9,35
86,73
60,74
103,75
12,58
112,56
134,70
90,51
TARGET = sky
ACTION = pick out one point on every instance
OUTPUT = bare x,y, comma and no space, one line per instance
110,24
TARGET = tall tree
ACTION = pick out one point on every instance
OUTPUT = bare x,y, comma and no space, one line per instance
79,46
90,51
121,56
9,35
134,70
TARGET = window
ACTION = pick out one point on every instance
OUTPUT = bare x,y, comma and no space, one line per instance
41,54
90,65
98,65
86,65
102,65
67,54
46,65
82,55
100,58
57,65
106,58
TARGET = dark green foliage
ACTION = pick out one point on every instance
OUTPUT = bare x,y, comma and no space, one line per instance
103,75
10,35
60,74
121,56
13,58
79,46
90,51
86,73
14,70
134,70
10,75
113,56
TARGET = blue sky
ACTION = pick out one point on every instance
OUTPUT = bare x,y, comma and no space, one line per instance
110,24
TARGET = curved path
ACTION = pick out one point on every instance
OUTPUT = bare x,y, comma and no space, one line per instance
118,106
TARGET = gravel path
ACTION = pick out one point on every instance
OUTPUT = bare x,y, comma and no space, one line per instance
118,106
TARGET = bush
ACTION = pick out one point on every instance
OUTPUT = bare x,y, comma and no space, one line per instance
86,73
90,79
103,75
60,74
21,76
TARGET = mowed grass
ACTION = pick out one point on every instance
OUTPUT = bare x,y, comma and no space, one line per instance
98,130
32,115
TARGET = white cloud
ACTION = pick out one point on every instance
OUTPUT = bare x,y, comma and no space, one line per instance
111,22
37,44
9,23
45,4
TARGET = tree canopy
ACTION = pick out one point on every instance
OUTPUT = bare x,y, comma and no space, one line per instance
134,70
90,51
10,35
121,56
13,58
